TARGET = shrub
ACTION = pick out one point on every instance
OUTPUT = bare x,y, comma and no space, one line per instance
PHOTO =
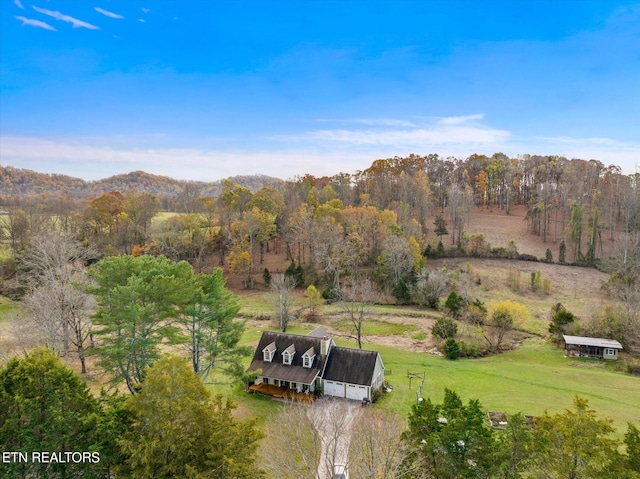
266,276
468,350
454,304
444,328
451,349
548,256
562,252
401,292
329,294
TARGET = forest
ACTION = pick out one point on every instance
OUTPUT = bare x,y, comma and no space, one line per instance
112,275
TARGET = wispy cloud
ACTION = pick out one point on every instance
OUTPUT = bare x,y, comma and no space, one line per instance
145,10
36,23
90,161
372,121
141,20
66,18
107,13
18,4
460,131
459,120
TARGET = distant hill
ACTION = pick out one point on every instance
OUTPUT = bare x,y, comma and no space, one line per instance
22,182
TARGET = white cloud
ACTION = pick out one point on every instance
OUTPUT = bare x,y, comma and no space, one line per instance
404,134
97,161
66,18
36,23
141,20
458,120
18,4
107,13
145,10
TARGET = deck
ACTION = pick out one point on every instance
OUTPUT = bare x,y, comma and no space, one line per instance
281,393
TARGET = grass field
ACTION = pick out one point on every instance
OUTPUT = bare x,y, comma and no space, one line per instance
531,379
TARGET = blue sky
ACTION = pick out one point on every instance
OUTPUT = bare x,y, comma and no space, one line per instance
204,90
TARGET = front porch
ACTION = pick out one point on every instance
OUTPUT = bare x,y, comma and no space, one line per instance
281,392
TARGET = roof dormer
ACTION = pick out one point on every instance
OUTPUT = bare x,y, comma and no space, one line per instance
269,351
307,358
287,354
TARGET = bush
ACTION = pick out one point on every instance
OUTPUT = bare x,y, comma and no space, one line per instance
468,350
266,277
401,292
548,256
444,328
454,304
329,294
451,349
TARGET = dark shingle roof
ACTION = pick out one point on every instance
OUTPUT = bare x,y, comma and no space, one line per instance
294,372
353,366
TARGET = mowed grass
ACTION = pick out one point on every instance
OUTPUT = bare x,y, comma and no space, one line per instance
376,327
534,378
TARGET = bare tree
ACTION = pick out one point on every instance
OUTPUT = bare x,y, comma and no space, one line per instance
430,285
377,450
307,442
292,448
357,299
282,286
53,268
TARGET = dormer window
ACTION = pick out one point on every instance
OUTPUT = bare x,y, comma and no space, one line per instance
307,358
287,355
269,352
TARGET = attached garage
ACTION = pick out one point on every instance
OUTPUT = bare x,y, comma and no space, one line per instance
334,388
357,392
352,373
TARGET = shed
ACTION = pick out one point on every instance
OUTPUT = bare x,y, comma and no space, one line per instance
584,347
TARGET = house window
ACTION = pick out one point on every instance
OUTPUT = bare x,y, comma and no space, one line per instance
287,358
611,352
306,362
267,355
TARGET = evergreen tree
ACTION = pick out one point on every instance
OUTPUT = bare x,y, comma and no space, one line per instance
441,227
401,292
180,430
139,303
45,406
451,439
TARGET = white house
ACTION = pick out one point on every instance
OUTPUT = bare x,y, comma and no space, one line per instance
313,364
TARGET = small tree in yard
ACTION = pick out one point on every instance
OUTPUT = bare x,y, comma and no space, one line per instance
401,292
548,256
451,349
357,300
430,285
504,316
561,322
266,277
282,286
314,301
454,304
444,328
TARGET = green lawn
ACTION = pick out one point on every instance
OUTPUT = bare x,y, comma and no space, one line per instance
531,379
376,327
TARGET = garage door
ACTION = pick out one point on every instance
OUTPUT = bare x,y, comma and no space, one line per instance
356,392
334,388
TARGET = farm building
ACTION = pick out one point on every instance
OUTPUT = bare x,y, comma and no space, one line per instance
578,346
297,366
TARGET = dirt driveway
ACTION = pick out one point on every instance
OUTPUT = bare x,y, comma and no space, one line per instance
334,419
